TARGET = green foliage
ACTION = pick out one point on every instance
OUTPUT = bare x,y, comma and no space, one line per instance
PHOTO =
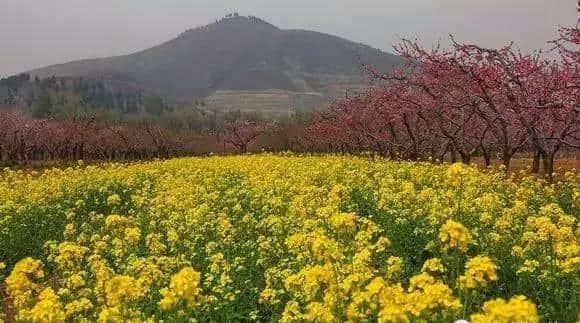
42,108
154,105
69,106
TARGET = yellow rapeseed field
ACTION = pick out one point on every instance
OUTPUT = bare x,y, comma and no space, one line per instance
288,238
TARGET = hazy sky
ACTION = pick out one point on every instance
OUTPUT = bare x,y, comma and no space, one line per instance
35,33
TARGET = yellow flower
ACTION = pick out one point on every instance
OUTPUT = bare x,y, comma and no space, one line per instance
529,266
80,204
168,301
343,222
319,246
121,290
394,267
454,235
115,221
184,286
570,265
48,309
23,279
458,173
517,309
480,271
172,236
542,229
148,272
435,295
269,296
78,306
113,200
309,280
323,238
517,251
156,247
110,314
75,281
317,312
70,254
132,235
420,281
433,265
69,231
291,313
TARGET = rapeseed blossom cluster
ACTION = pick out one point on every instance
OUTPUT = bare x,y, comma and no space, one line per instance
454,235
517,309
287,238
479,272
184,286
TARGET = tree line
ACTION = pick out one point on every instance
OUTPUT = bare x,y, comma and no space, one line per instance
463,102
38,96
23,138
452,104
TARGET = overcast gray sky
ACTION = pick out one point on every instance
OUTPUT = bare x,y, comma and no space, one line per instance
35,33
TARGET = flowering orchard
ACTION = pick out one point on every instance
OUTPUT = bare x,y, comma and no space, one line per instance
289,239
463,102
23,138
445,104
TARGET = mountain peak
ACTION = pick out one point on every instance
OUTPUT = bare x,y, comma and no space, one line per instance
245,19
234,21
235,18
237,53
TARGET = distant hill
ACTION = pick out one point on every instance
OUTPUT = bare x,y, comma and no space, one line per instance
244,54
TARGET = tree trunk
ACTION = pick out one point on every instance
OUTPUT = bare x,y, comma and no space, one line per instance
382,152
548,162
536,161
507,159
453,155
486,157
465,158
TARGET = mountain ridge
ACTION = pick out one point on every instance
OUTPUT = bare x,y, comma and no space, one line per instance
236,53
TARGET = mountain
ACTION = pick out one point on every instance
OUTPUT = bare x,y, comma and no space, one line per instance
238,57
